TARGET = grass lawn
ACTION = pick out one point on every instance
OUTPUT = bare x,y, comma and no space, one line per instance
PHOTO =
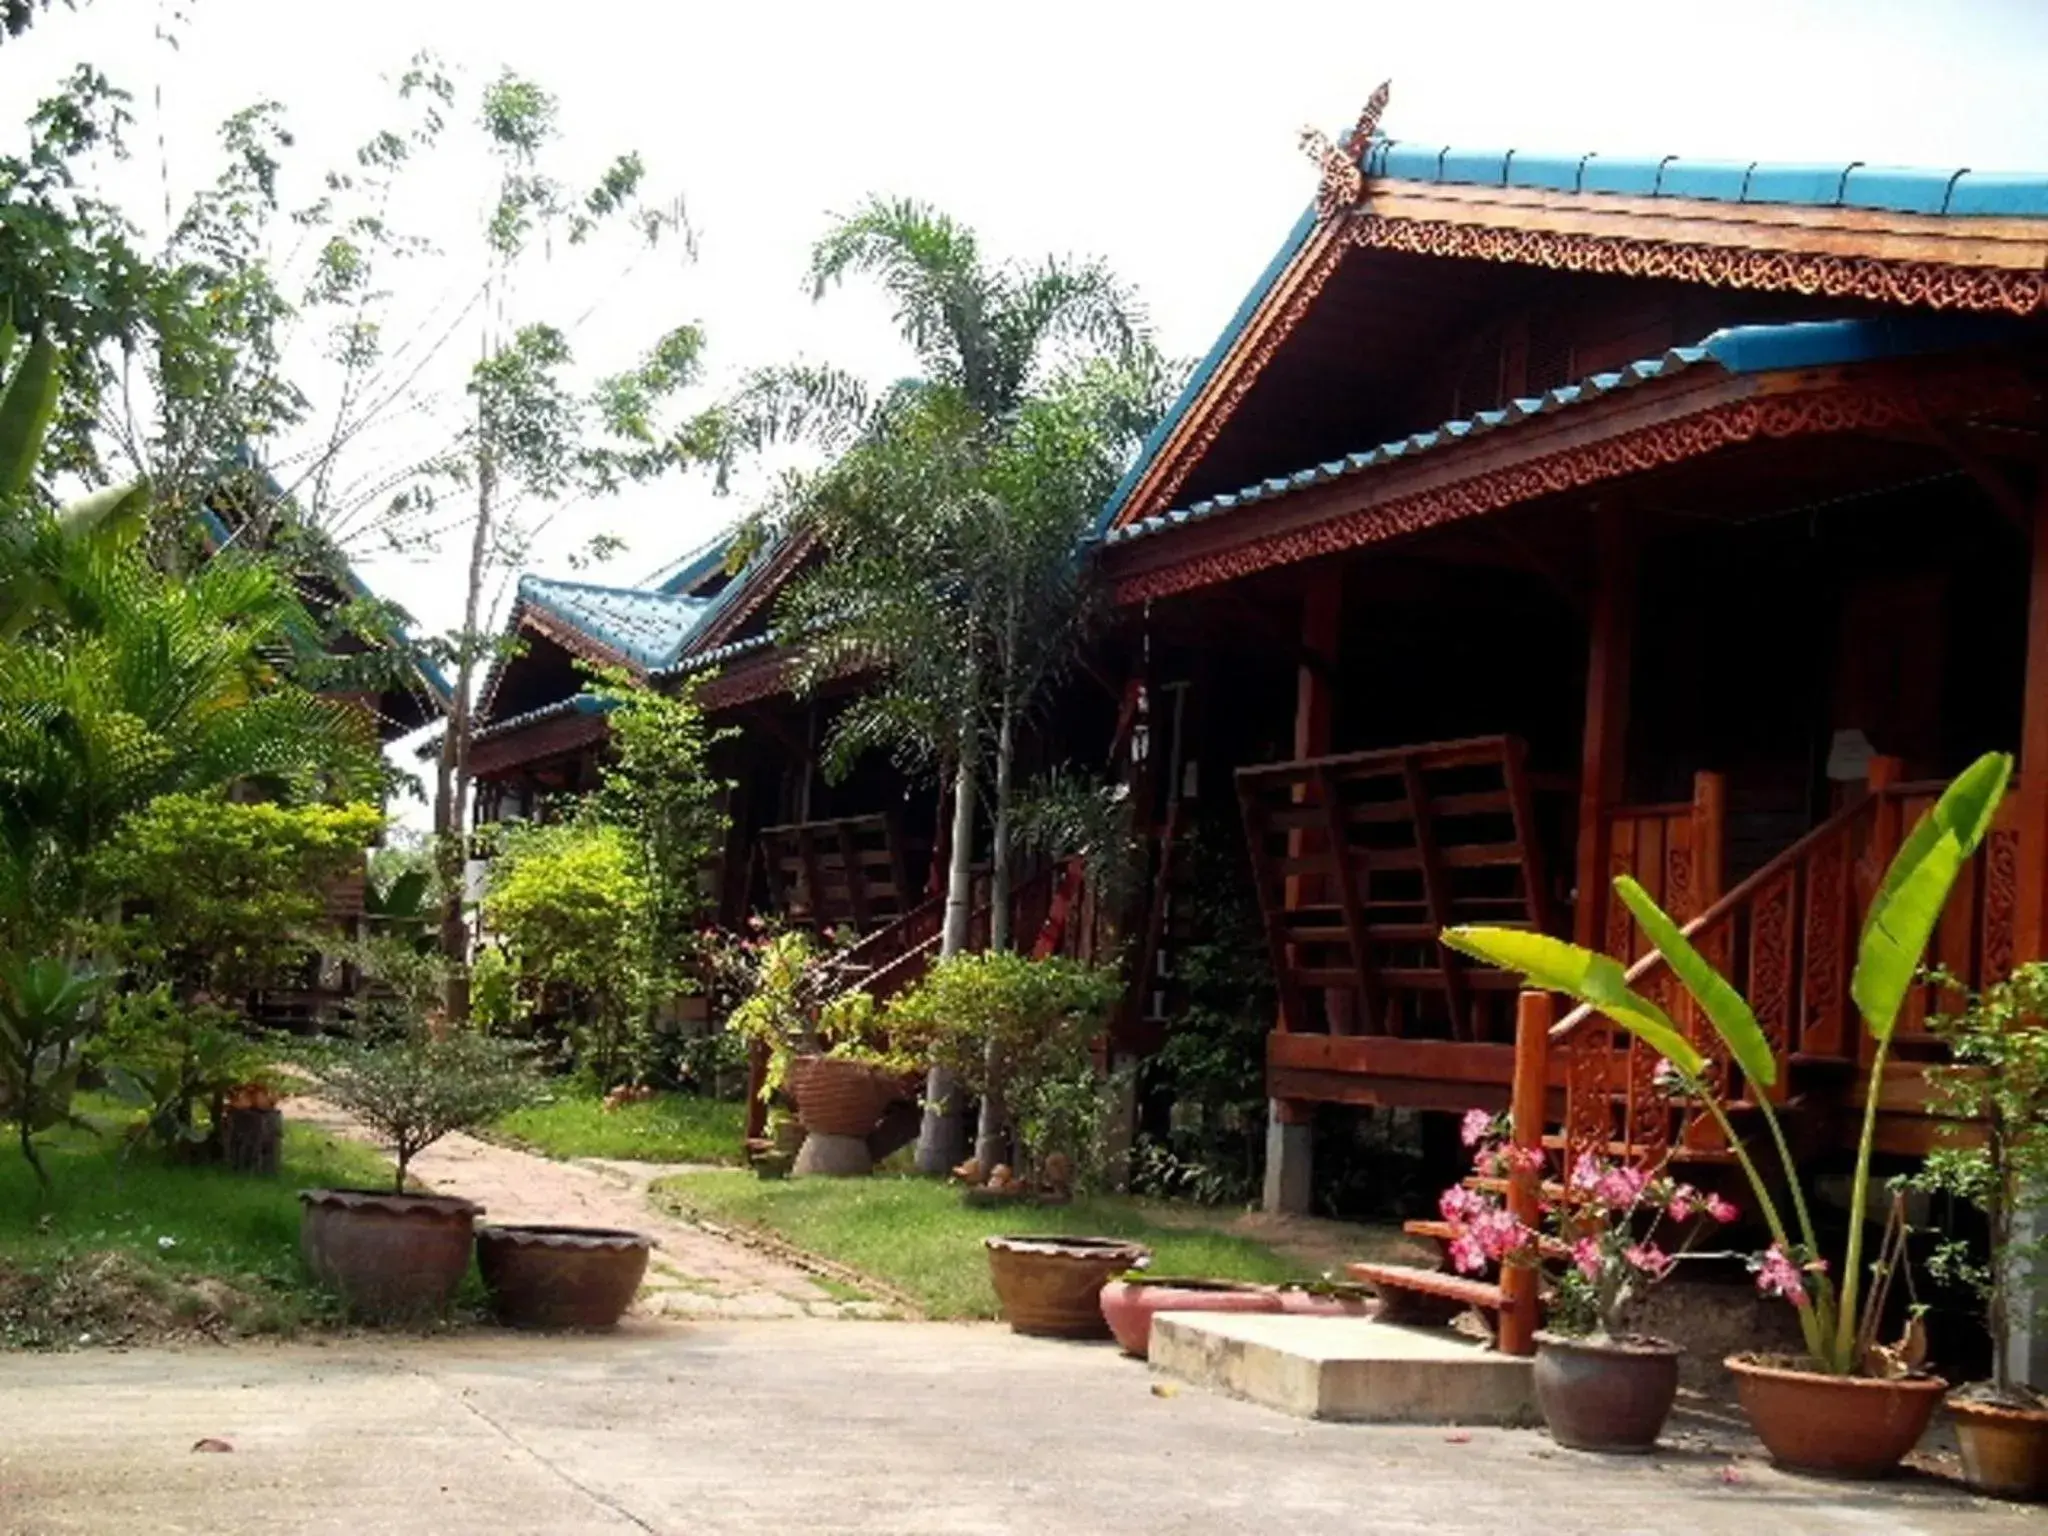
126,1249
668,1128
916,1236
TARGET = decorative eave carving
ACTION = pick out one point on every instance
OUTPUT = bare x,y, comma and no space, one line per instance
1886,399
1925,284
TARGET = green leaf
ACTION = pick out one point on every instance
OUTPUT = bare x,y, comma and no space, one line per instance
1909,902
1729,1012
1594,979
111,512
25,410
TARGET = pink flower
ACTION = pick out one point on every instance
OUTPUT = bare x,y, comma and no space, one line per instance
1586,1254
1499,1235
1721,1210
1521,1159
1460,1206
1681,1206
1776,1275
1476,1127
1621,1188
1650,1259
1586,1171
1467,1257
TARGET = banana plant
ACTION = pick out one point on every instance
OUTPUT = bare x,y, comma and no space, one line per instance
47,1008
1902,918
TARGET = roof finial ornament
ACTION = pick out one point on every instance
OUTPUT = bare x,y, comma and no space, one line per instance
1343,184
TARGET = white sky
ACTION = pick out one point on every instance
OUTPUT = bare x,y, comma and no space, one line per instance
1159,136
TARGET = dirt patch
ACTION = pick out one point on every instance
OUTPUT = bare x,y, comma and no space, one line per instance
87,1299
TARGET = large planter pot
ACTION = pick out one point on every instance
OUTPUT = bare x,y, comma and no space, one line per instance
1841,1426
841,1098
1129,1306
391,1258
2005,1450
1053,1285
561,1277
1605,1394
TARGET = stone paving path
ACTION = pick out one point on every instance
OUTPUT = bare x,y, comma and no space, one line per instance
692,1273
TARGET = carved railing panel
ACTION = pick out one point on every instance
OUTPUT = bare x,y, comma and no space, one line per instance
1786,937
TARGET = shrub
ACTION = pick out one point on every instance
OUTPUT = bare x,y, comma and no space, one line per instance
1023,1031
415,1091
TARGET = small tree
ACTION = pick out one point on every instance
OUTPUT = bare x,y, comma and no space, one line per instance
1995,1151
415,1091
572,906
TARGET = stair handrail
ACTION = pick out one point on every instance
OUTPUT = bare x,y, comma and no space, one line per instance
1738,896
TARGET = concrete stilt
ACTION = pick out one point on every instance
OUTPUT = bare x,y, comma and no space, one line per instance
1289,1162
837,1157
2026,1332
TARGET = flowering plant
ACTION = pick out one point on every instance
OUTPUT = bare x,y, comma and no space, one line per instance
1837,1318
1601,1232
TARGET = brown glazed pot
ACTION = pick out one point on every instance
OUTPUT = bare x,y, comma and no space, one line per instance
1053,1285
1605,1394
1128,1306
561,1277
1840,1426
841,1098
2005,1450
390,1257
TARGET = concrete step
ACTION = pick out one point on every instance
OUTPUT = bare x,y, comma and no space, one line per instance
1358,1370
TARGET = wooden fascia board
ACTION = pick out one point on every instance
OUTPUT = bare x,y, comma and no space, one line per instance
1275,317
542,739
576,642
781,566
1535,438
1648,429
2013,244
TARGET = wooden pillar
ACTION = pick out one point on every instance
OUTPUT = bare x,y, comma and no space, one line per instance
1603,758
1520,1309
1709,838
2030,906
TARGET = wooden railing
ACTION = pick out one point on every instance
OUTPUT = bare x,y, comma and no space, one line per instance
1675,851
1786,937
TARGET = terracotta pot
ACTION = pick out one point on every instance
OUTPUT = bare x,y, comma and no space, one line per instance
1841,1426
561,1277
2005,1450
841,1098
1129,1306
391,1258
1341,1299
1605,1394
1053,1285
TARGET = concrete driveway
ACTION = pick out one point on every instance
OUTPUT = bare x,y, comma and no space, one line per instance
816,1426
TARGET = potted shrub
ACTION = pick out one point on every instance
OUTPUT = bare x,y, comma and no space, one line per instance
1600,1386
1994,1152
390,1255
1846,1406
1022,1031
820,1048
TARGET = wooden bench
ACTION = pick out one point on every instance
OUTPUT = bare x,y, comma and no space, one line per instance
1427,1297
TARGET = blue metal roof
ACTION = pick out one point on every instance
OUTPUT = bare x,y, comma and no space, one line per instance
648,628
718,655
1738,349
1958,193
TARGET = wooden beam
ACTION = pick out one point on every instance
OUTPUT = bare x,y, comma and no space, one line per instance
1315,702
2013,503
2030,919
1603,756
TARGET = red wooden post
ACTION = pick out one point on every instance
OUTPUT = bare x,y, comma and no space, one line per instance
1709,837
1322,613
2030,899
1602,759
1535,1012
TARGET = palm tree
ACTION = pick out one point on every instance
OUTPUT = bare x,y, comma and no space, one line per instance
121,681
954,513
